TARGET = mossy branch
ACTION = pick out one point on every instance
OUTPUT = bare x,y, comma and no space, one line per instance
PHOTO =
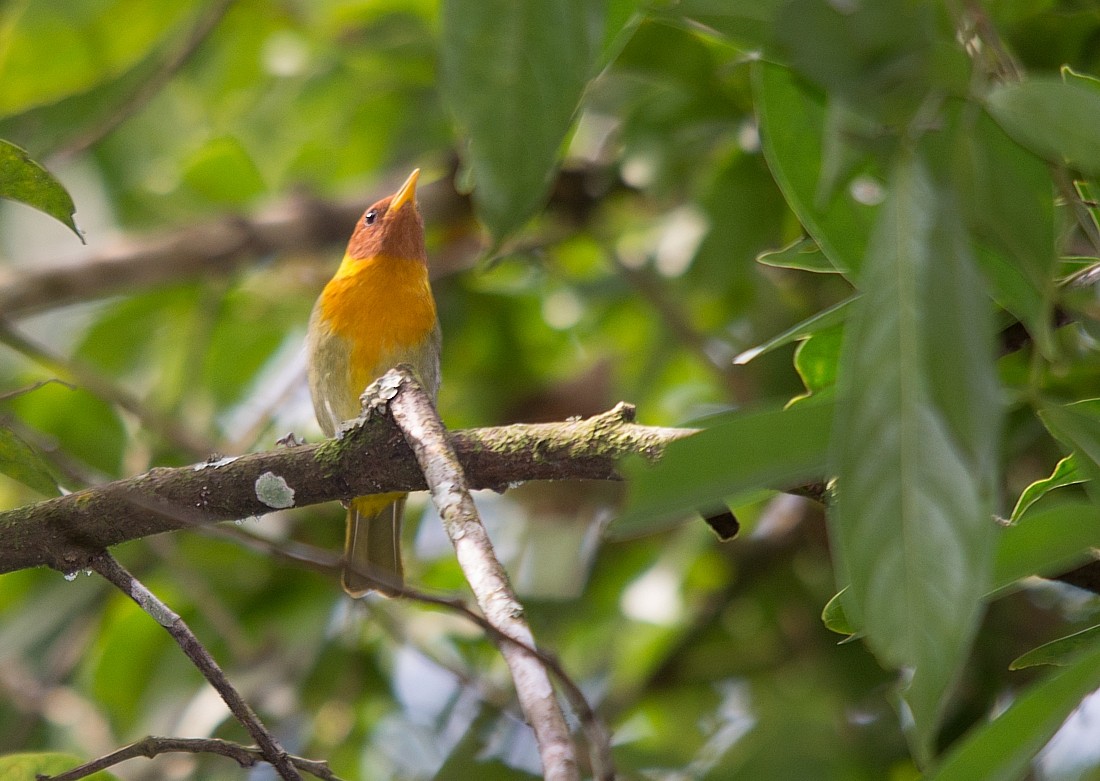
371,457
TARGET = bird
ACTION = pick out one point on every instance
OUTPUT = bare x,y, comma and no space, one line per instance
375,313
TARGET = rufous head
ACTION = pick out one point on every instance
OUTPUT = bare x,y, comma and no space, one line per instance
391,227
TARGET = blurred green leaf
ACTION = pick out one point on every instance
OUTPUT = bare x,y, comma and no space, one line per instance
1002,749
913,509
803,254
748,24
1060,652
96,46
792,120
21,462
1007,196
23,180
222,171
745,452
1054,119
876,56
497,57
1065,473
1046,542
27,767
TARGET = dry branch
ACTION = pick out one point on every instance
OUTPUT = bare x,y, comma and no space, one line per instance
415,415
371,457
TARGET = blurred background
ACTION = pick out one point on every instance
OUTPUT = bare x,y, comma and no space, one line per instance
218,154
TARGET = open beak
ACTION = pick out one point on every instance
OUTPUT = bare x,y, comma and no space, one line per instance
407,193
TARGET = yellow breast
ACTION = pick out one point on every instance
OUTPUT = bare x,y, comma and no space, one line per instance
383,307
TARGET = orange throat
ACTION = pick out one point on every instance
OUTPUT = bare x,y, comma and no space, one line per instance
382,306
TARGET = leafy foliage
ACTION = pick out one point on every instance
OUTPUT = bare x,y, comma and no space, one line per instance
917,343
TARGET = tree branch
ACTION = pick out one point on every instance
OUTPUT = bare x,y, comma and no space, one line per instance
370,457
106,566
417,418
153,746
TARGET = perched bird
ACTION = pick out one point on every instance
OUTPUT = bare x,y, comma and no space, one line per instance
375,313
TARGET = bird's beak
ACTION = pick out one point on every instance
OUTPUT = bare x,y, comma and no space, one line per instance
407,193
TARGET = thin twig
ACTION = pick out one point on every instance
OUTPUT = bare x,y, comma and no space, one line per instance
148,89
415,415
152,746
14,394
106,565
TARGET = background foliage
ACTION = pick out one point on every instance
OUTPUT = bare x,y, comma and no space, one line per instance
883,210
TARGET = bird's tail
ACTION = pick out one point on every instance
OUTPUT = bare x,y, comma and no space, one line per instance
372,551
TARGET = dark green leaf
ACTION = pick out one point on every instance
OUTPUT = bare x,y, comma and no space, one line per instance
745,452
876,56
1054,119
23,180
1046,542
1007,196
1002,749
748,24
21,462
1060,652
915,445
513,75
1077,425
792,120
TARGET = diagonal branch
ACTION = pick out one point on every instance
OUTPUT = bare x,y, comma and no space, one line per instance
371,457
106,565
417,418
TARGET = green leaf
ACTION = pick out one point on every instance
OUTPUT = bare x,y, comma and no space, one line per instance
915,444
23,180
1060,652
1065,473
96,46
1046,542
1008,200
876,56
826,318
744,452
834,618
792,123
747,24
513,75
222,171
1002,749
803,254
26,767
1077,425
816,359
21,462
1054,119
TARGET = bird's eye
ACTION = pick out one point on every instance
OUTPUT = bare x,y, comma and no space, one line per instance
370,217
